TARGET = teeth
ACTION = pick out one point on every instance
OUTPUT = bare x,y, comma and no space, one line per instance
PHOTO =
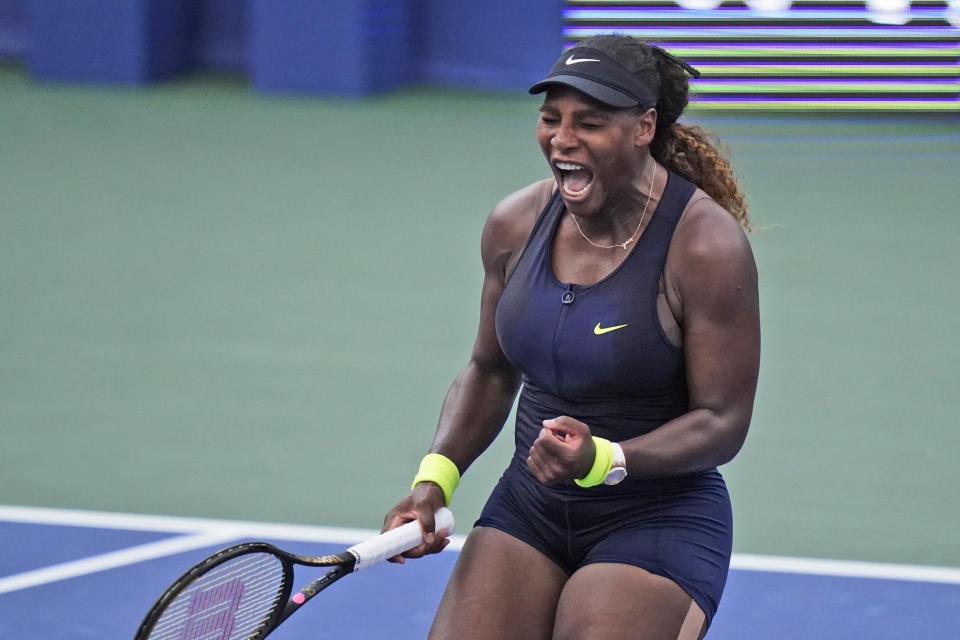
568,166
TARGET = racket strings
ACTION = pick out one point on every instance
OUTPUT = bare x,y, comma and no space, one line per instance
232,601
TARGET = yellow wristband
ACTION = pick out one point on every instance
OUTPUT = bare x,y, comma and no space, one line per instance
439,469
601,463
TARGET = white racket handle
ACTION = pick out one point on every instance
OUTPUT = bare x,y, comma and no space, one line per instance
396,541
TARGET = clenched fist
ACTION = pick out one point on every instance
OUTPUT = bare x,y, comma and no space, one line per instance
563,451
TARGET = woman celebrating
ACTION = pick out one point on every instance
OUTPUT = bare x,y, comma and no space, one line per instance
622,294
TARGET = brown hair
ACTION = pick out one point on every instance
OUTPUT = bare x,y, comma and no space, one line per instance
688,150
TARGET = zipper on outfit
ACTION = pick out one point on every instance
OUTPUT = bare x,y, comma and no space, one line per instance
567,299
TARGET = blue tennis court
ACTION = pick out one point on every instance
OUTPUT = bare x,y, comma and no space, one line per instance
76,574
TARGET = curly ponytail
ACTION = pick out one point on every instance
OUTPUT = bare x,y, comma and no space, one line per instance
688,150
698,155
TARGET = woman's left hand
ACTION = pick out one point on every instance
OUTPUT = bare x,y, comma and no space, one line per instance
563,451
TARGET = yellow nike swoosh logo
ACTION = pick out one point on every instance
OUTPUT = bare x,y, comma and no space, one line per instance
599,331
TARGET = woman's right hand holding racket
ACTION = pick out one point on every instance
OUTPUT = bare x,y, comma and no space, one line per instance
420,504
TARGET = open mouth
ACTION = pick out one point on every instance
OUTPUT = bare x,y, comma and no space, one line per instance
575,179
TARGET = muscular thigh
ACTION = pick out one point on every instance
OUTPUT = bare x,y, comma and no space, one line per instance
620,602
500,589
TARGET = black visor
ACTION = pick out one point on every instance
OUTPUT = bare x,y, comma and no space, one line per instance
600,77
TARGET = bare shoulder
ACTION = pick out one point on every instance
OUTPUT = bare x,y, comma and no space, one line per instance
510,222
708,235
709,252
708,230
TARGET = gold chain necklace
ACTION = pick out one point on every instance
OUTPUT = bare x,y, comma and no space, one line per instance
622,245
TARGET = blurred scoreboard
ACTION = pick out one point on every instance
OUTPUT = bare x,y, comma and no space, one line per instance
777,54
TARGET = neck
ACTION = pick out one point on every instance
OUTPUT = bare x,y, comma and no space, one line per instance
622,219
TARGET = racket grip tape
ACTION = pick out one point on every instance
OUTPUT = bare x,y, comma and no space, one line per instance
396,541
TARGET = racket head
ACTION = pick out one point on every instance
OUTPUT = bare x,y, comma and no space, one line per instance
238,593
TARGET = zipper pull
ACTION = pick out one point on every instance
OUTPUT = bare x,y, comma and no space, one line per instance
568,295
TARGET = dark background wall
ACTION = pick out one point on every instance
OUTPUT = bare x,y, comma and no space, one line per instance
12,26
336,46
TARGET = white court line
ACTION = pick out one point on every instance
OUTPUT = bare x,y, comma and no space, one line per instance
740,561
845,568
178,524
115,559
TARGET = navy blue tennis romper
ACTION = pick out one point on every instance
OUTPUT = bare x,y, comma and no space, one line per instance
622,383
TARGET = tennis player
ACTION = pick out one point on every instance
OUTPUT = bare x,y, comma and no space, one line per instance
621,293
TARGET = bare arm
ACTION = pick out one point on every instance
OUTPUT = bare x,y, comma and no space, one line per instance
479,401
711,281
480,398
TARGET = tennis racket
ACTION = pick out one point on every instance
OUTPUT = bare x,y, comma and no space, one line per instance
243,592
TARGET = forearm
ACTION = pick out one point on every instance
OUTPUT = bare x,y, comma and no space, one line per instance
474,410
696,441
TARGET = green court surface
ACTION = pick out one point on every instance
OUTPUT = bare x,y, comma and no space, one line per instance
223,304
